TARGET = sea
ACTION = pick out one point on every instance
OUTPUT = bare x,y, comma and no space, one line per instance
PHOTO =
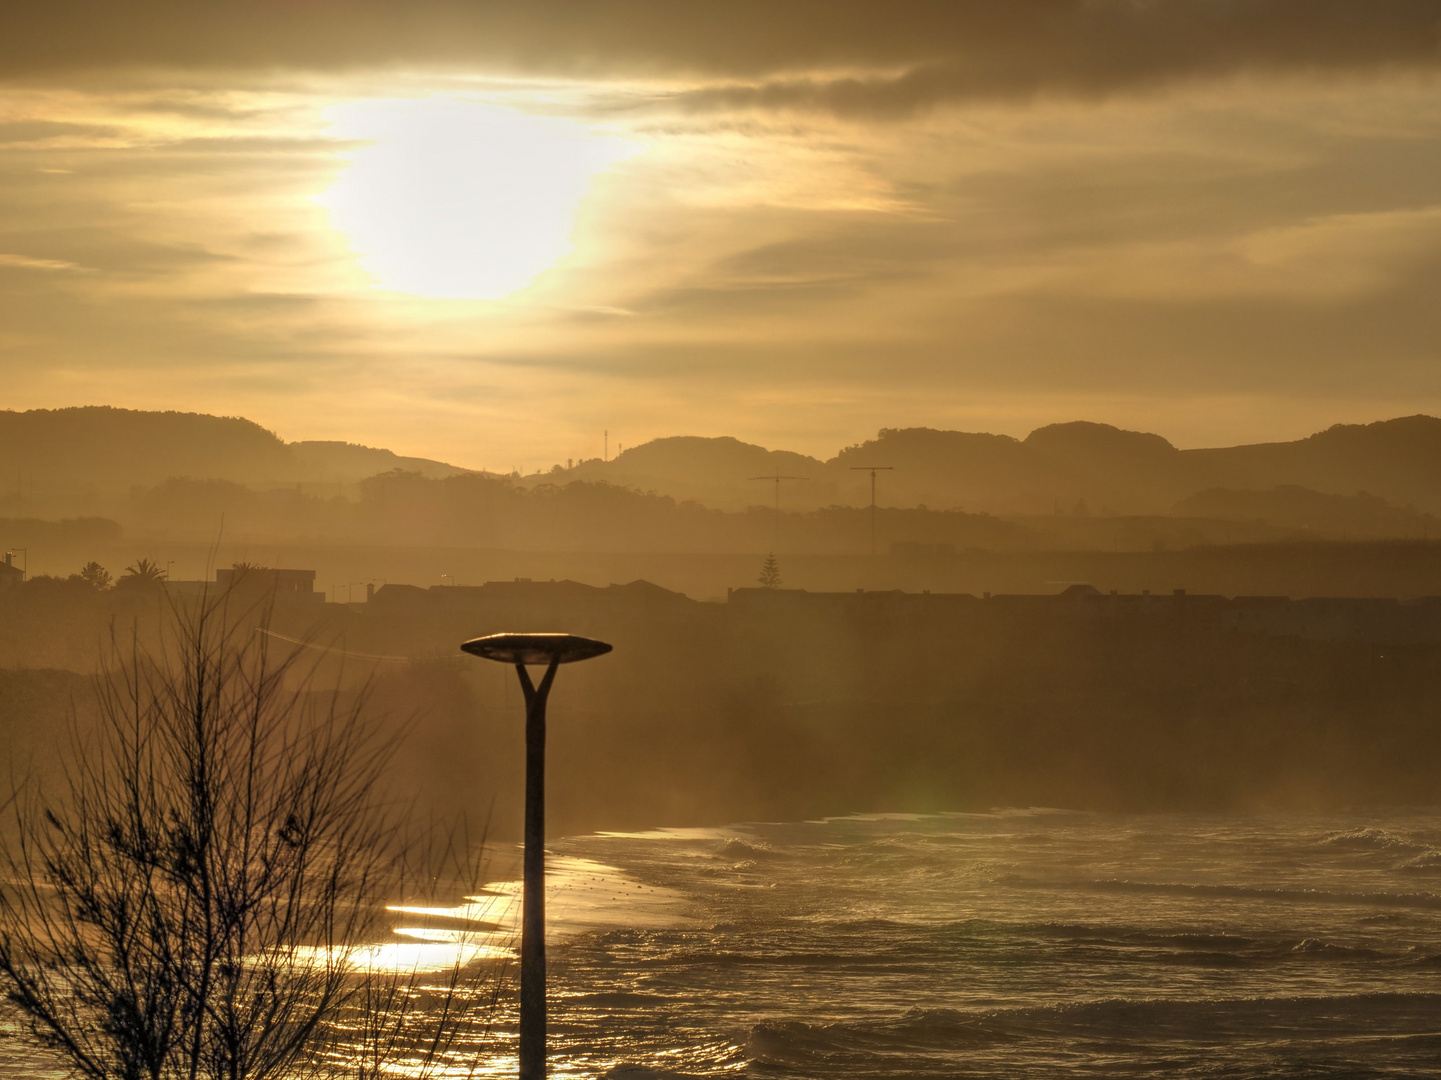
1017,943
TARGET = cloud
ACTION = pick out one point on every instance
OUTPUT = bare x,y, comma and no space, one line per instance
24,262
1089,50
788,260
99,249
35,131
889,57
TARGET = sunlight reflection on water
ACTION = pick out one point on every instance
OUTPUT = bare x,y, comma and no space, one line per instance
580,895
995,945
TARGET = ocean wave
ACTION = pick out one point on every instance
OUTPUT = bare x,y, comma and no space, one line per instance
1429,859
1426,901
734,848
794,1042
1152,1020
1366,838
1204,950
1312,946
615,999
632,1071
1088,933
745,866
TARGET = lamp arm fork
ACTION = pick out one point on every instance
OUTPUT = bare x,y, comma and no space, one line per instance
530,689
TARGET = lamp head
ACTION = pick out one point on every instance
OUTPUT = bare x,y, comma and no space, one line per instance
535,648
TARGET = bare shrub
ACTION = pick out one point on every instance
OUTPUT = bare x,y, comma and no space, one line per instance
205,895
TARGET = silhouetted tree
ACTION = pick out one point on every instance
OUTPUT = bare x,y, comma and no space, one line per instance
144,574
95,575
771,573
201,899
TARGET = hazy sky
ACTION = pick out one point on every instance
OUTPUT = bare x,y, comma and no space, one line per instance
485,232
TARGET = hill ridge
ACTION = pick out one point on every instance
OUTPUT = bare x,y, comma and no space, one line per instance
1072,466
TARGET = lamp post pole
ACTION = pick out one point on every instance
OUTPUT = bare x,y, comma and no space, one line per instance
532,927
520,650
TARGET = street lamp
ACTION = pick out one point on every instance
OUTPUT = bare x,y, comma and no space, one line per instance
551,650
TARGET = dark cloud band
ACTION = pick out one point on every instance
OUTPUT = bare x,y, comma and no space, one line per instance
932,49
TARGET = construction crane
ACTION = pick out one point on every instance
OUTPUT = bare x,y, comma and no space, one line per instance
873,469
778,478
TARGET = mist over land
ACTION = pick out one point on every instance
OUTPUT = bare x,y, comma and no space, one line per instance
1078,485
971,669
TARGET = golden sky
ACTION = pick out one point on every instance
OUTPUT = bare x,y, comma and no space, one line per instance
488,232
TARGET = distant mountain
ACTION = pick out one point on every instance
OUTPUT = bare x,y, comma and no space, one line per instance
1399,460
350,463
100,449
1063,468
1055,467
97,450
714,472
88,461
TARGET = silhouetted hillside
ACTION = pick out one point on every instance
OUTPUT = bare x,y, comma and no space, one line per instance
948,468
1399,460
1124,470
62,457
715,472
1063,467
1074,486
97,448
68,533
1067,468
1342,516
348,463
483,511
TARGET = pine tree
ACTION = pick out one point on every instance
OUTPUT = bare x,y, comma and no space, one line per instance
95,575
771,573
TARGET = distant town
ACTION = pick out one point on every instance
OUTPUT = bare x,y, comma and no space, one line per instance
527,602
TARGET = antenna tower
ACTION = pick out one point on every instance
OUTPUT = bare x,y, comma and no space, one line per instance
873,469
777,477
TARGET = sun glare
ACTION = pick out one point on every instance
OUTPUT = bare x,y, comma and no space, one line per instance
458,199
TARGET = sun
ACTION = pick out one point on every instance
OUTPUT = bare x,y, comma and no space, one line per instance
451,198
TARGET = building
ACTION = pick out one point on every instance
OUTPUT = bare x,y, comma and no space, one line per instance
281,584
10,574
